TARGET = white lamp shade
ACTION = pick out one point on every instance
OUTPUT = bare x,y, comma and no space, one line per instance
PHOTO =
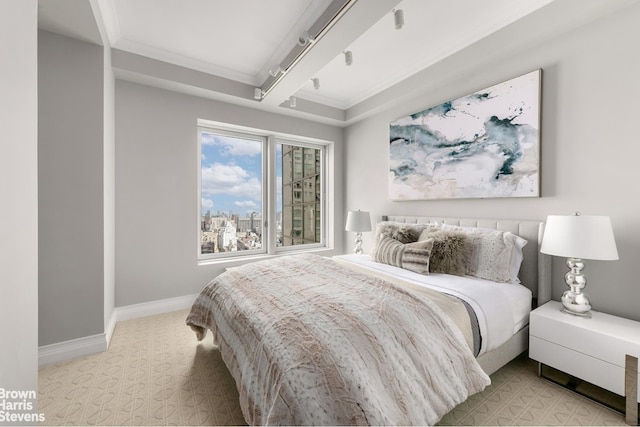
579,236
358,221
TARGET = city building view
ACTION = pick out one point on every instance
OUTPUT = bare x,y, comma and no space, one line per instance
228,232
298,218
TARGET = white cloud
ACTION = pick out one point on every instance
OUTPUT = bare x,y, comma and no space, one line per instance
247,204
234,146
231,180
206,204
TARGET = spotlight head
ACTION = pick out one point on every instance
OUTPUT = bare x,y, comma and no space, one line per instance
398,18
348,57
257,93
303,39
275,70
316,83
292,101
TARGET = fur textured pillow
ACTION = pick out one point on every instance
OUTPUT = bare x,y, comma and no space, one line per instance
451,251
404,233
489,249
410,256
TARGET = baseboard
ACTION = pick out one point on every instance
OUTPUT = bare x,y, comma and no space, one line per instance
110,326
85,346
66,350
144,309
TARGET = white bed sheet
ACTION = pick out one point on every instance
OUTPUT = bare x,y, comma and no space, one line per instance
502,308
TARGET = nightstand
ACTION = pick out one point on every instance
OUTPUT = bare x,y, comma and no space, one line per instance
602,350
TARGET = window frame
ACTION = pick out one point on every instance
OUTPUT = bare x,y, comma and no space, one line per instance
269,191
323,192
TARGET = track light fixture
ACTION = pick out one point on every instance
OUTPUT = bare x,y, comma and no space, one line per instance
304,39
328,22
316,83
292,101
398,18
348,57
276,70
257,93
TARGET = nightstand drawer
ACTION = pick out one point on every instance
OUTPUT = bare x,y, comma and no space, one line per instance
604,337
590,369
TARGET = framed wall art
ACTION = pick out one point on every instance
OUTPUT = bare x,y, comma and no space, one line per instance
483,145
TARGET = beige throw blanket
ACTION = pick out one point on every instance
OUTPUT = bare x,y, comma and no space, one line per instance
311,342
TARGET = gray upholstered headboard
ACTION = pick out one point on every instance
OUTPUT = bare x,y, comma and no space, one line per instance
535,272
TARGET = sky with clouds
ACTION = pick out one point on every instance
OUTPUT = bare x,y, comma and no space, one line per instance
231,174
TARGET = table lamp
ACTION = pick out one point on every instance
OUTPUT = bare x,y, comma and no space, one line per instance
576,237
358,221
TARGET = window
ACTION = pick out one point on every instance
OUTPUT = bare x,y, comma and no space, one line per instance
259,194
301,205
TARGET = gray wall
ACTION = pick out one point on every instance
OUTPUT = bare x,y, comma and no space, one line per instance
70,196
589,147
18,195
156,187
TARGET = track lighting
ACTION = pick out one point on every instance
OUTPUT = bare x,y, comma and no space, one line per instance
328,21
398,18
304,39
348,57
316,83
292,101
276,70
257,93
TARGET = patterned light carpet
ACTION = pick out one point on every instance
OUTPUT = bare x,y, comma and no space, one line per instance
156,373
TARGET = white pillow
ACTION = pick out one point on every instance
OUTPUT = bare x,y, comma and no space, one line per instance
516,257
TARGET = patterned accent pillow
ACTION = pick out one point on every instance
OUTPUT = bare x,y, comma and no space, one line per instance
410,256
451,251
490,255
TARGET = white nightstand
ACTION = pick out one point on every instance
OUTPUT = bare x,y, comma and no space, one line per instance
593,349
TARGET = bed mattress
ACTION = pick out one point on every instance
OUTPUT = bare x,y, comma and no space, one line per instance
502,309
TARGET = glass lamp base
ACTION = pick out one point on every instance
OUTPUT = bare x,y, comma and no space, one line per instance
575,313
574,301
358,249
576,304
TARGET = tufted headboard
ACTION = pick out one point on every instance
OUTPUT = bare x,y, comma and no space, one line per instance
535,272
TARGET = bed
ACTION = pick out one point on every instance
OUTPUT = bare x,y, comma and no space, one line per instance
535,274
351,340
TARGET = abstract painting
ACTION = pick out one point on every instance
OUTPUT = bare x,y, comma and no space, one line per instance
483,145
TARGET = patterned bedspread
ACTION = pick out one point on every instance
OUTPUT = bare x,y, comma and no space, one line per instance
311,342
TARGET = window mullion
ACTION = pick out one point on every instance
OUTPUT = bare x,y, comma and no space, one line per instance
269,196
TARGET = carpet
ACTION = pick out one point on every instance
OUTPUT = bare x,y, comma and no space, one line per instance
156,373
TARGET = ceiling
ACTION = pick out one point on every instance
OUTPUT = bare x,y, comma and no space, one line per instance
240,41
